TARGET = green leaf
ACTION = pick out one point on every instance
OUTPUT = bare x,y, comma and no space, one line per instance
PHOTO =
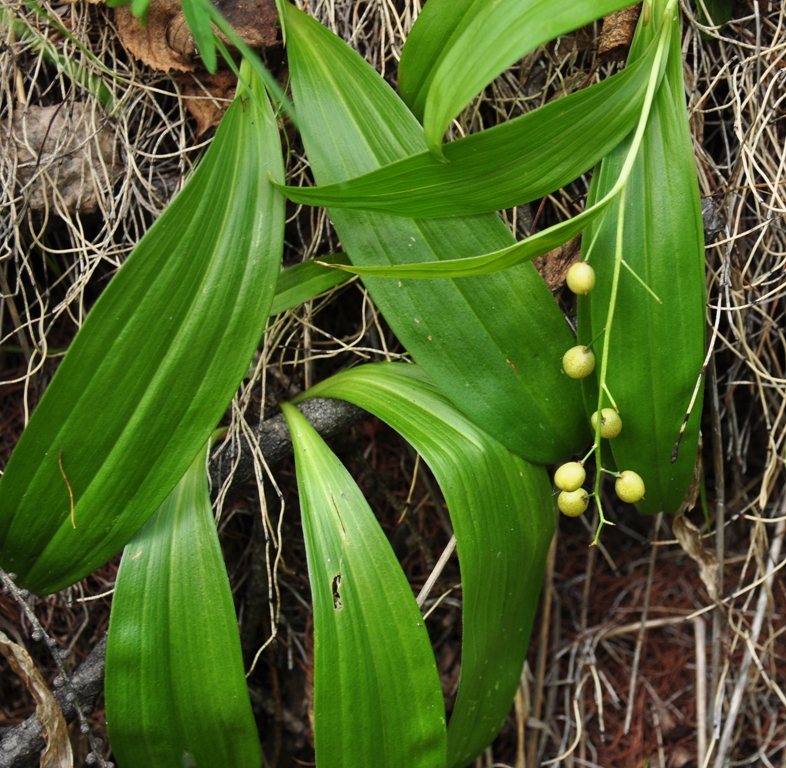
377,695
305,281
488,263
175,686
656,351
504,516
504,166
492,344
456,49
154,366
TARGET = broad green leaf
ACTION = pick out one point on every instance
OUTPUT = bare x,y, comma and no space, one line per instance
307,280
456,49
153,367
492,344
656,351
504,166
377,695
175,686
503,516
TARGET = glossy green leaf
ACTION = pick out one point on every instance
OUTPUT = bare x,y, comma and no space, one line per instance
377,695
503,515
510,164
456,49
175,686
154,366
492,344
305,281
656,351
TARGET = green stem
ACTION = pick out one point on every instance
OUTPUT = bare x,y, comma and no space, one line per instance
618,189
604,363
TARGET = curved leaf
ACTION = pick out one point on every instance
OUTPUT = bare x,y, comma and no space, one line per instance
488,263
154,366
503,516
492,344
175,686
510,164
377,695
456,49
656,351
304,281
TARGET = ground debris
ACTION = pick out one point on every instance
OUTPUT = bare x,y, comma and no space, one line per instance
64,155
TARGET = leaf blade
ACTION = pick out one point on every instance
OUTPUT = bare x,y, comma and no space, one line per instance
502,551
373,663
445,63
304,281
504,166
501,343
175,686
656,351
162,352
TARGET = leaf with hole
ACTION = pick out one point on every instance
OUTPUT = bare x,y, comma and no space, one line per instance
504,516
377,695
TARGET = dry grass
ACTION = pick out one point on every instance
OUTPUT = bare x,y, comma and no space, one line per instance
633,663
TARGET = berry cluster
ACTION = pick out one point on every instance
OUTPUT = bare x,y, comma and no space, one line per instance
578,363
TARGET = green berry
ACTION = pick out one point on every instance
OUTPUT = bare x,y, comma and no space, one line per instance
570,476
629,487
573,503
610,423
578,362
581,278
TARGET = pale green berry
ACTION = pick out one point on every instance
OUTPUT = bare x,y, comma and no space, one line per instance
570,476
629,486
578,362
573,503
610,423
581,278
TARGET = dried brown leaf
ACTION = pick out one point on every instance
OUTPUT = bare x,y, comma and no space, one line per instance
53,725
253,20
617,33
208,96
150,45
689,536
64,155
166,42
554,265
